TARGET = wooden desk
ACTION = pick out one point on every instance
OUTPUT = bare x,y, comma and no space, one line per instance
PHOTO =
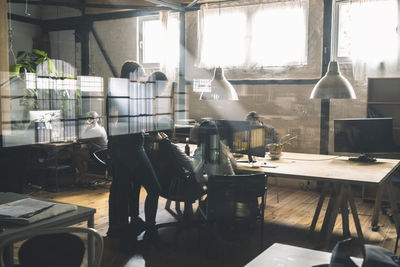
280,255
341,172
66,219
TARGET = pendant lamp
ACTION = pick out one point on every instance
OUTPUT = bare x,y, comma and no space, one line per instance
333,85
221,88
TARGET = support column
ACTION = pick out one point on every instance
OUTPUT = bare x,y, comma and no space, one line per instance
4,73
182,62
326,57
83,31
324,131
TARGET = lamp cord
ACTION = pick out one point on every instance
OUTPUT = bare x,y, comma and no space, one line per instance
26,8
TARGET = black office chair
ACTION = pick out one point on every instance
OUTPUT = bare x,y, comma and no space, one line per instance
102,156
385,206
233,205
62,247
177,184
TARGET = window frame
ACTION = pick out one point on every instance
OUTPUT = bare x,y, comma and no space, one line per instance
142,20
335,35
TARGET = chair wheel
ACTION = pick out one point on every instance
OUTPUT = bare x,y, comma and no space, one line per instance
375,228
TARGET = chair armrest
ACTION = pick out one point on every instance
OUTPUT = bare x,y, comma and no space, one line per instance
97,154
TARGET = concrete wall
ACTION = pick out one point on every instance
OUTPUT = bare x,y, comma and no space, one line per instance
119,39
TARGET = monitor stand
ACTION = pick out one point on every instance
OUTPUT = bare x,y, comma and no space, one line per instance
251,160
363,158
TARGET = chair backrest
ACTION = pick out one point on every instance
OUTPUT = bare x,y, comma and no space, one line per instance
233,202
55,247
177,183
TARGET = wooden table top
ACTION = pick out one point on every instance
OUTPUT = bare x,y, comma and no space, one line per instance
281,255
66,219
324,167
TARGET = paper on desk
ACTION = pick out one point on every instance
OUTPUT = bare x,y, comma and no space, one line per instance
24,208
258,164
32,210
249,165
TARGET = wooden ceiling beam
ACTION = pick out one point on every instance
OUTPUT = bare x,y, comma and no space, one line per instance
116,6
71,4
81,5
192,3
24,19
74,22
168,3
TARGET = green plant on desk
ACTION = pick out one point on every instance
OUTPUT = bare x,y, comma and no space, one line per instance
275,149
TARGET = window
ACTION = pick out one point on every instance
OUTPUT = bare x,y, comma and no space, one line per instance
155,38
367,30
367,35
224,37
273,34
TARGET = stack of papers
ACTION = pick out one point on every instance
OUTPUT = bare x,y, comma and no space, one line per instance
28,210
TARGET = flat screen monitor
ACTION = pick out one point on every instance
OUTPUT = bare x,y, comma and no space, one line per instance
241,137
367,136
44,115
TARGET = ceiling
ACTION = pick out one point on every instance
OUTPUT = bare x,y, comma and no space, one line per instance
108,6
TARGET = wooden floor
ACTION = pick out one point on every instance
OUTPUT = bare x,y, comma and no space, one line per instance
286,222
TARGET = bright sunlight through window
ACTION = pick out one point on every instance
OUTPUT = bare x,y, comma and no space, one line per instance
224,38
279,37
367,31
258,35
156,40
151,40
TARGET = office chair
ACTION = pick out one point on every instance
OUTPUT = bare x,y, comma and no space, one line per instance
177,184
233,205
385,207
55,247
102,156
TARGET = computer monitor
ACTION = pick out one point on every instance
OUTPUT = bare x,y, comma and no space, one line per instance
44,115
241,137
367,136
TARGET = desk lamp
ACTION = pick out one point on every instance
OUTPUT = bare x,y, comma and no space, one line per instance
332,85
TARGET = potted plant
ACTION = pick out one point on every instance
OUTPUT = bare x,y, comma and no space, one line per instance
275,149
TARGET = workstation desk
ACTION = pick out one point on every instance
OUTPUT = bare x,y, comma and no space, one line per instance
81,214
336,173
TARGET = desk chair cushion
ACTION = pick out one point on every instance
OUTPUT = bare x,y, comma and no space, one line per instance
62,250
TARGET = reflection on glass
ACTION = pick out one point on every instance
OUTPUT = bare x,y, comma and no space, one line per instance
52,107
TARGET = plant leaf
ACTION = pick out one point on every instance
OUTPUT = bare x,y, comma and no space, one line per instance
52,67
40,52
